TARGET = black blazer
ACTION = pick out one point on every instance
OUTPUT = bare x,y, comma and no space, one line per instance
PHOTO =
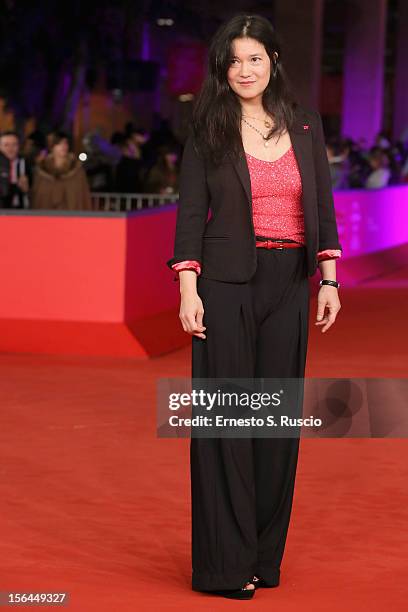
225,245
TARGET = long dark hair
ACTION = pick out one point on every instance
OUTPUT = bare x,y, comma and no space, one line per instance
216,121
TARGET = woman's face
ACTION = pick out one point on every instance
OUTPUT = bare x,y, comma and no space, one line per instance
61,148
250,68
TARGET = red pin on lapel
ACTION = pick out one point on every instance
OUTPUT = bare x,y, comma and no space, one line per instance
305,127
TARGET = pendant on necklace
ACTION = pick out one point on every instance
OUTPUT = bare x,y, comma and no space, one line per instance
266,143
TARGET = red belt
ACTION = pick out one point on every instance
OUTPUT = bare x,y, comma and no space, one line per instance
278,244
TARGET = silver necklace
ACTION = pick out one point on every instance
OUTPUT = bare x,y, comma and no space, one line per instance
264,136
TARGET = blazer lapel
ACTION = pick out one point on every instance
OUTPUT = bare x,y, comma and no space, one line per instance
242,170
301,137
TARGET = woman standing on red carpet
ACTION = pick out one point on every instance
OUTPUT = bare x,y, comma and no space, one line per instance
257,160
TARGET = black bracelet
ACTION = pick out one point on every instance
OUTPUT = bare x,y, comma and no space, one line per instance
330,282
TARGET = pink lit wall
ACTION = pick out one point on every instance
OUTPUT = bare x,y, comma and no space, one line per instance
371,220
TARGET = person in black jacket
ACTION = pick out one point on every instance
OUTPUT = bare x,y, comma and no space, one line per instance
255,219
131,169
15,174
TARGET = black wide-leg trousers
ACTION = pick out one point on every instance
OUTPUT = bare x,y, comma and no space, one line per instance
242,488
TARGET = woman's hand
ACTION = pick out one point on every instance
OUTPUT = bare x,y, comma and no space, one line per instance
191,314
328,297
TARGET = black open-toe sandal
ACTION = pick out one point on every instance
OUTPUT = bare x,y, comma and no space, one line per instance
237,593
259,582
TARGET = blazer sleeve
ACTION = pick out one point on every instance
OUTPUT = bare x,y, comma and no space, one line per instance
193,206
328,235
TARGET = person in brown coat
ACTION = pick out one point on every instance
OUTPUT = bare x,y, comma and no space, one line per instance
164,175
60,181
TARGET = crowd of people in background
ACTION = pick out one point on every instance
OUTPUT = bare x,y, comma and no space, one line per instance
42,172
353,166
134,160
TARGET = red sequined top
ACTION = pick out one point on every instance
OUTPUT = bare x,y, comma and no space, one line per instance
276,204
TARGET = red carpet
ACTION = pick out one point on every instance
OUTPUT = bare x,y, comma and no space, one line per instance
94,504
